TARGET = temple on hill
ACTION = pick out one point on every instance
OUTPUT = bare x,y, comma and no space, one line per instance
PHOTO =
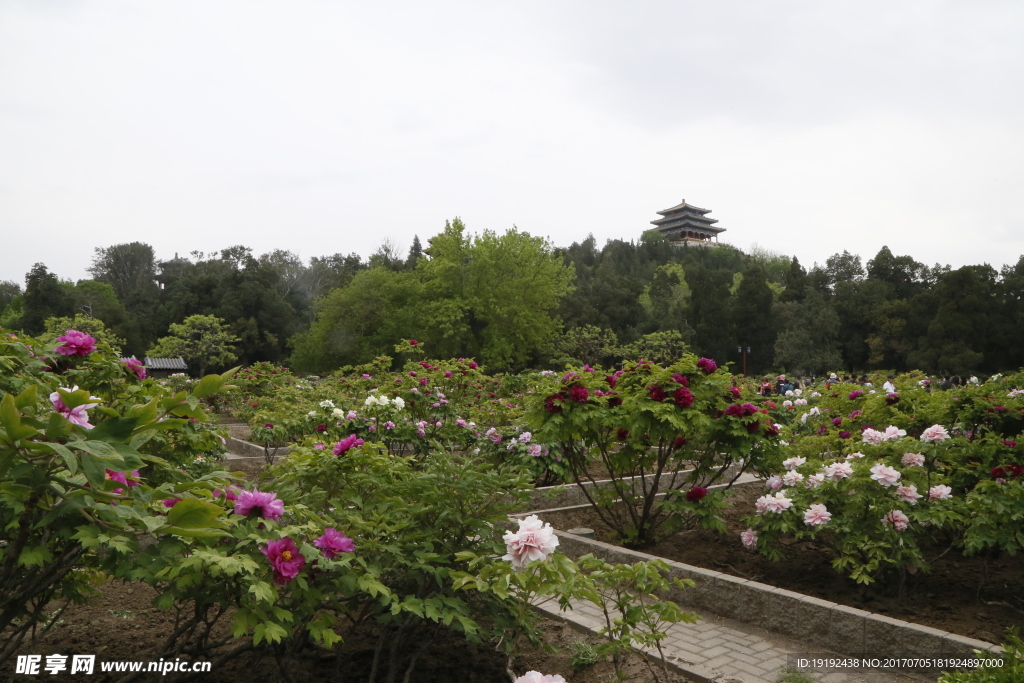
687,224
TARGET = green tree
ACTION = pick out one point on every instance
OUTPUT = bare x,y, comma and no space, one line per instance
8,290
491,296
808,333
752,312
360,321
45,297
201,340
661,347
587,344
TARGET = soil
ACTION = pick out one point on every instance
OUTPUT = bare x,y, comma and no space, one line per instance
947,598
120,624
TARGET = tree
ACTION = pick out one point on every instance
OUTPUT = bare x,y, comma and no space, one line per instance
661,347
845,267
808,335
415,253
752,313
795,282
128,268
200,339
45,297
360,321
587,344
8,290
491,296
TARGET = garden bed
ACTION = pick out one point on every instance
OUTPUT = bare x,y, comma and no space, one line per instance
947,598
121,624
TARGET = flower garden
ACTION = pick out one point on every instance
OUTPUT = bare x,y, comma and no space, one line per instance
384,533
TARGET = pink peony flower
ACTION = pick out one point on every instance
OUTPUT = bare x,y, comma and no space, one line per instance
908,493
912,459
897,520
285,558
872,436
838,470
136,366
815,480
774,482
940,492
816,515
749,538
707,365
893,433
350,441
538,677
267,505
935,434
334,543
534,541
776,503
851,456
535,450
793,463
230,493
76,343
525,437
792,478
76,415
885,475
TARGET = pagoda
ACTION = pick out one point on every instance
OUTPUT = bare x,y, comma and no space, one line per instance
685,224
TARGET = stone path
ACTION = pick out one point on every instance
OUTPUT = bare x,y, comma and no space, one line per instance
727,651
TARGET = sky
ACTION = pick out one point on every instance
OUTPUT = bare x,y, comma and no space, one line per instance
807,127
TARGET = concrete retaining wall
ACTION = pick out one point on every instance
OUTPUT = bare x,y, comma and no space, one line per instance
838,628
252,450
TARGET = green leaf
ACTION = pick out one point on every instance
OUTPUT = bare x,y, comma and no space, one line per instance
35,557
114,430
93,468
58,426
208,386
10,417
194,517
70,461
100,449
27,397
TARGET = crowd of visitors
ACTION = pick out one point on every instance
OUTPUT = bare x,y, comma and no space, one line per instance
783,384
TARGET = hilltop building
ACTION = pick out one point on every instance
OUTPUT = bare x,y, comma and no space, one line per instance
685,224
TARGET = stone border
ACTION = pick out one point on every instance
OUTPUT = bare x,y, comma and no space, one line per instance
817,622
253,450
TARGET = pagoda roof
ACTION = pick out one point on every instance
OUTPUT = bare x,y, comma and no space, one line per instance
683,206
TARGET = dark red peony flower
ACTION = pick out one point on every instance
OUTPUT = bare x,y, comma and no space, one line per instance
1011,444
771,430
754,427
413,342
681,379
683,397
844,435
614,401
696,494
552,403
656,392
679,442
622,433
578,393
837,421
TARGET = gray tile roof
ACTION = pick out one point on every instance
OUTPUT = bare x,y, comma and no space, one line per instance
166,363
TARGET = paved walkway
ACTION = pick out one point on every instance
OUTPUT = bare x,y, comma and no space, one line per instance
728,651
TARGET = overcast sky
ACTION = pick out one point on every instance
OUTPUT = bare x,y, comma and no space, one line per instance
806,127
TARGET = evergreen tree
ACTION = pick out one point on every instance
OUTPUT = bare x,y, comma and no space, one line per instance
415,253
44,298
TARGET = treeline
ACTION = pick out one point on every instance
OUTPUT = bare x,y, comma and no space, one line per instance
515,301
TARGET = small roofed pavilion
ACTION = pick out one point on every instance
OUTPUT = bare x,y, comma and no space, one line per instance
685,224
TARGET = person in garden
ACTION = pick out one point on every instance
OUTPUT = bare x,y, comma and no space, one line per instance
889,387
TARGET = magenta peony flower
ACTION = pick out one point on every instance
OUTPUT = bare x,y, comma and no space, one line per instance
836,421
707,365
334,543
230,493
682,379
533,541
892,398
855,394
578,393
696,494
76,344
170,502
734,392
266,504
285,558
351,441
136,366
844,435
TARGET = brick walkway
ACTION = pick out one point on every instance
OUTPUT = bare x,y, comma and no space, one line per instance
727,651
